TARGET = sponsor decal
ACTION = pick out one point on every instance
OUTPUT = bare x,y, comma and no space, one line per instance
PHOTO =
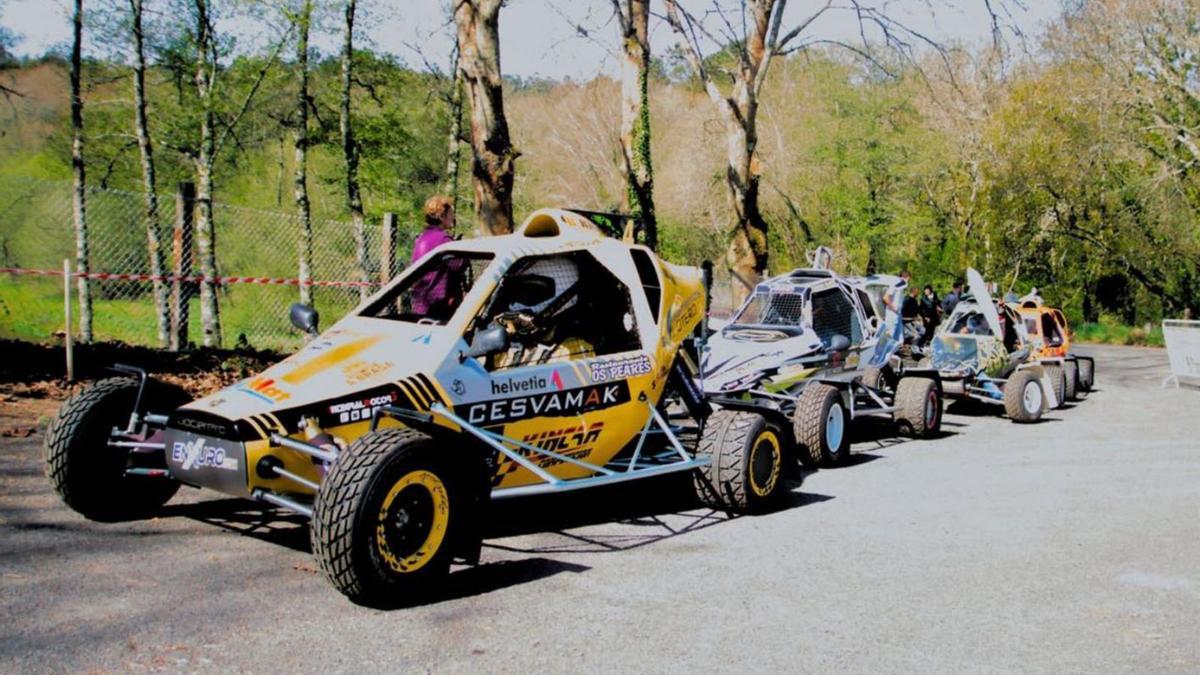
263,388
329,358
682,316
617,369
547,404
527,383
356,372
458,387
565,439
423,339
195,454
201,426
360,409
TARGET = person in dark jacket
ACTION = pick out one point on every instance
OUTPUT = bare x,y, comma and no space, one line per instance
951,300
928,310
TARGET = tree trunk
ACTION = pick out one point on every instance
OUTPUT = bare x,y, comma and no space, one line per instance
454,135
149,183
350,153
79,196
210,319
301,134
635,115
746,256
492,165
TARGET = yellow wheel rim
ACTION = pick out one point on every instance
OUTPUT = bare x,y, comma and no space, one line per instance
765,458
424,499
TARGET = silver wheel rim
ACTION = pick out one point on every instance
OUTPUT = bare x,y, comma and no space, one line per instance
1032,397
835,427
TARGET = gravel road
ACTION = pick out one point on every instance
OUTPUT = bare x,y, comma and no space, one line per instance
1070,545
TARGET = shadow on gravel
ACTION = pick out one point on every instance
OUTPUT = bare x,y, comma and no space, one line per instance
881,434
247,518
660,509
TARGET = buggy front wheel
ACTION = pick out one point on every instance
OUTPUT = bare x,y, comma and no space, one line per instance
92,476
385,518
1024,399
918,406
821,425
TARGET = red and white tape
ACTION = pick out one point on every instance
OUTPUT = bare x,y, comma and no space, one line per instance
115,276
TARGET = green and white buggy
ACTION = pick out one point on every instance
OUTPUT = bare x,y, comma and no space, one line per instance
982,352
811,351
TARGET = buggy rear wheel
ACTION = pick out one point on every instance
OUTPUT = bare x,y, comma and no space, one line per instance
821,426
1058,380
1023,397
1071,372
89,475
385,518
1087,377
918,406
746,452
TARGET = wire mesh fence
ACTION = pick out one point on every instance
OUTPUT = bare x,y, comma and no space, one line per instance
256,277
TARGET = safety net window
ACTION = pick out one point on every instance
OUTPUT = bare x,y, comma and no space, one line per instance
773,309
433,292
833,314
1050,331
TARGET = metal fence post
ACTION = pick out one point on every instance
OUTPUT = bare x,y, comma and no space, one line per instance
68,342
387,254
181,249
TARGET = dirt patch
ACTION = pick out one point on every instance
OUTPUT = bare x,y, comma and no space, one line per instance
33,381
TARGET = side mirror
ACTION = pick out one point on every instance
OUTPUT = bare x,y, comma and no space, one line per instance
490,340
838,343
304,317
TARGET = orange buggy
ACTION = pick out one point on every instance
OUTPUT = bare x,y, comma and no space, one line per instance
1048,328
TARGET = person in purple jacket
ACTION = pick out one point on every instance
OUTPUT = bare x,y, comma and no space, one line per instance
435,294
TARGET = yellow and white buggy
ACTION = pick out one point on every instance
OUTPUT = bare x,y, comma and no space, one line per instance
537,362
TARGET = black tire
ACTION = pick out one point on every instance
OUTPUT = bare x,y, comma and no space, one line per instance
872,377
746,453
1020,406
89,475
881,379
813,431
1058,379
918,406
1071,373
390,489
1087,377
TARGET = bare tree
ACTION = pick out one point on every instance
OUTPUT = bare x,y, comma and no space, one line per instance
350,152
149,182
302,22
493,156
634,18
79,192
454,135
753,34
207,78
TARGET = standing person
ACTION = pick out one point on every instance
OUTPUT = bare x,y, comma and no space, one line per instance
929,311
951,300
910,313
439,222
436,294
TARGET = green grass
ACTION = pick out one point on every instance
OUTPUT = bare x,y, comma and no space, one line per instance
1110,333
31,309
